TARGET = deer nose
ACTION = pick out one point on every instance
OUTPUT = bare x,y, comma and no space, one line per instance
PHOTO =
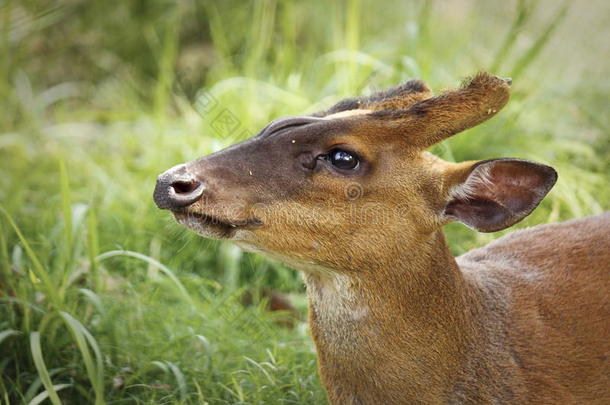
176,188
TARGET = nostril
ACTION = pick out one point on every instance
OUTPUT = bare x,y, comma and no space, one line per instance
185,187
176,188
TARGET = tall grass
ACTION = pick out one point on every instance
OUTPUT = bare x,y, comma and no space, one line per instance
105,300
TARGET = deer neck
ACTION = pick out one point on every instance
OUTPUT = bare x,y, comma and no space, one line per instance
400,325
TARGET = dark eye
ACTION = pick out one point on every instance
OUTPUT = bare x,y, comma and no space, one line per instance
343,160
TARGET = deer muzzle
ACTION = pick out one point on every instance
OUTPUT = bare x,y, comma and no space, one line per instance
177,188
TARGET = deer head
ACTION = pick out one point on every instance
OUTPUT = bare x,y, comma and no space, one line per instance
354,184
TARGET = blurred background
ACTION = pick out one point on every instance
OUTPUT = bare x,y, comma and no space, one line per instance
104,299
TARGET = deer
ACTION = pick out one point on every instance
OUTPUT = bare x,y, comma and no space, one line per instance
351,198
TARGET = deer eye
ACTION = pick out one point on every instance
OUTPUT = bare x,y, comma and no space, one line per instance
343,160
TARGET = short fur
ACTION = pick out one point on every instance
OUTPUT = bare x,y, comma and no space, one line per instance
396,319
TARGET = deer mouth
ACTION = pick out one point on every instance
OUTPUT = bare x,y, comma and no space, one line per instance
213,226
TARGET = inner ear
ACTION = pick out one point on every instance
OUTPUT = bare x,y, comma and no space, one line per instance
499,193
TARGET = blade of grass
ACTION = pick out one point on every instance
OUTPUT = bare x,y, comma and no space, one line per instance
30,393
200,395
179,379
93,246
94,299
5,39
260,40
66,207
95,371
39,270
25,303
533,52
4,259
229,258
41,367
525,10
8,277
4,393
38,399
8,333
352,25
164,269
351,42
219,35
167,59
262,369
72,273
66,210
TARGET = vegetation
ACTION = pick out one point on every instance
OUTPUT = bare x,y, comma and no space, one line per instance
103,298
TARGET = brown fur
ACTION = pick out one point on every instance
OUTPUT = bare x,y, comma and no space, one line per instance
395,318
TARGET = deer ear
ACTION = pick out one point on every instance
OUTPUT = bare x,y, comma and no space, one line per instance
492,195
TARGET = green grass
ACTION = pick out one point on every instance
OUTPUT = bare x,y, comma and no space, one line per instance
103,298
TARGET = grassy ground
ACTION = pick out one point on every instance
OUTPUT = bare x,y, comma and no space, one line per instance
103,299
